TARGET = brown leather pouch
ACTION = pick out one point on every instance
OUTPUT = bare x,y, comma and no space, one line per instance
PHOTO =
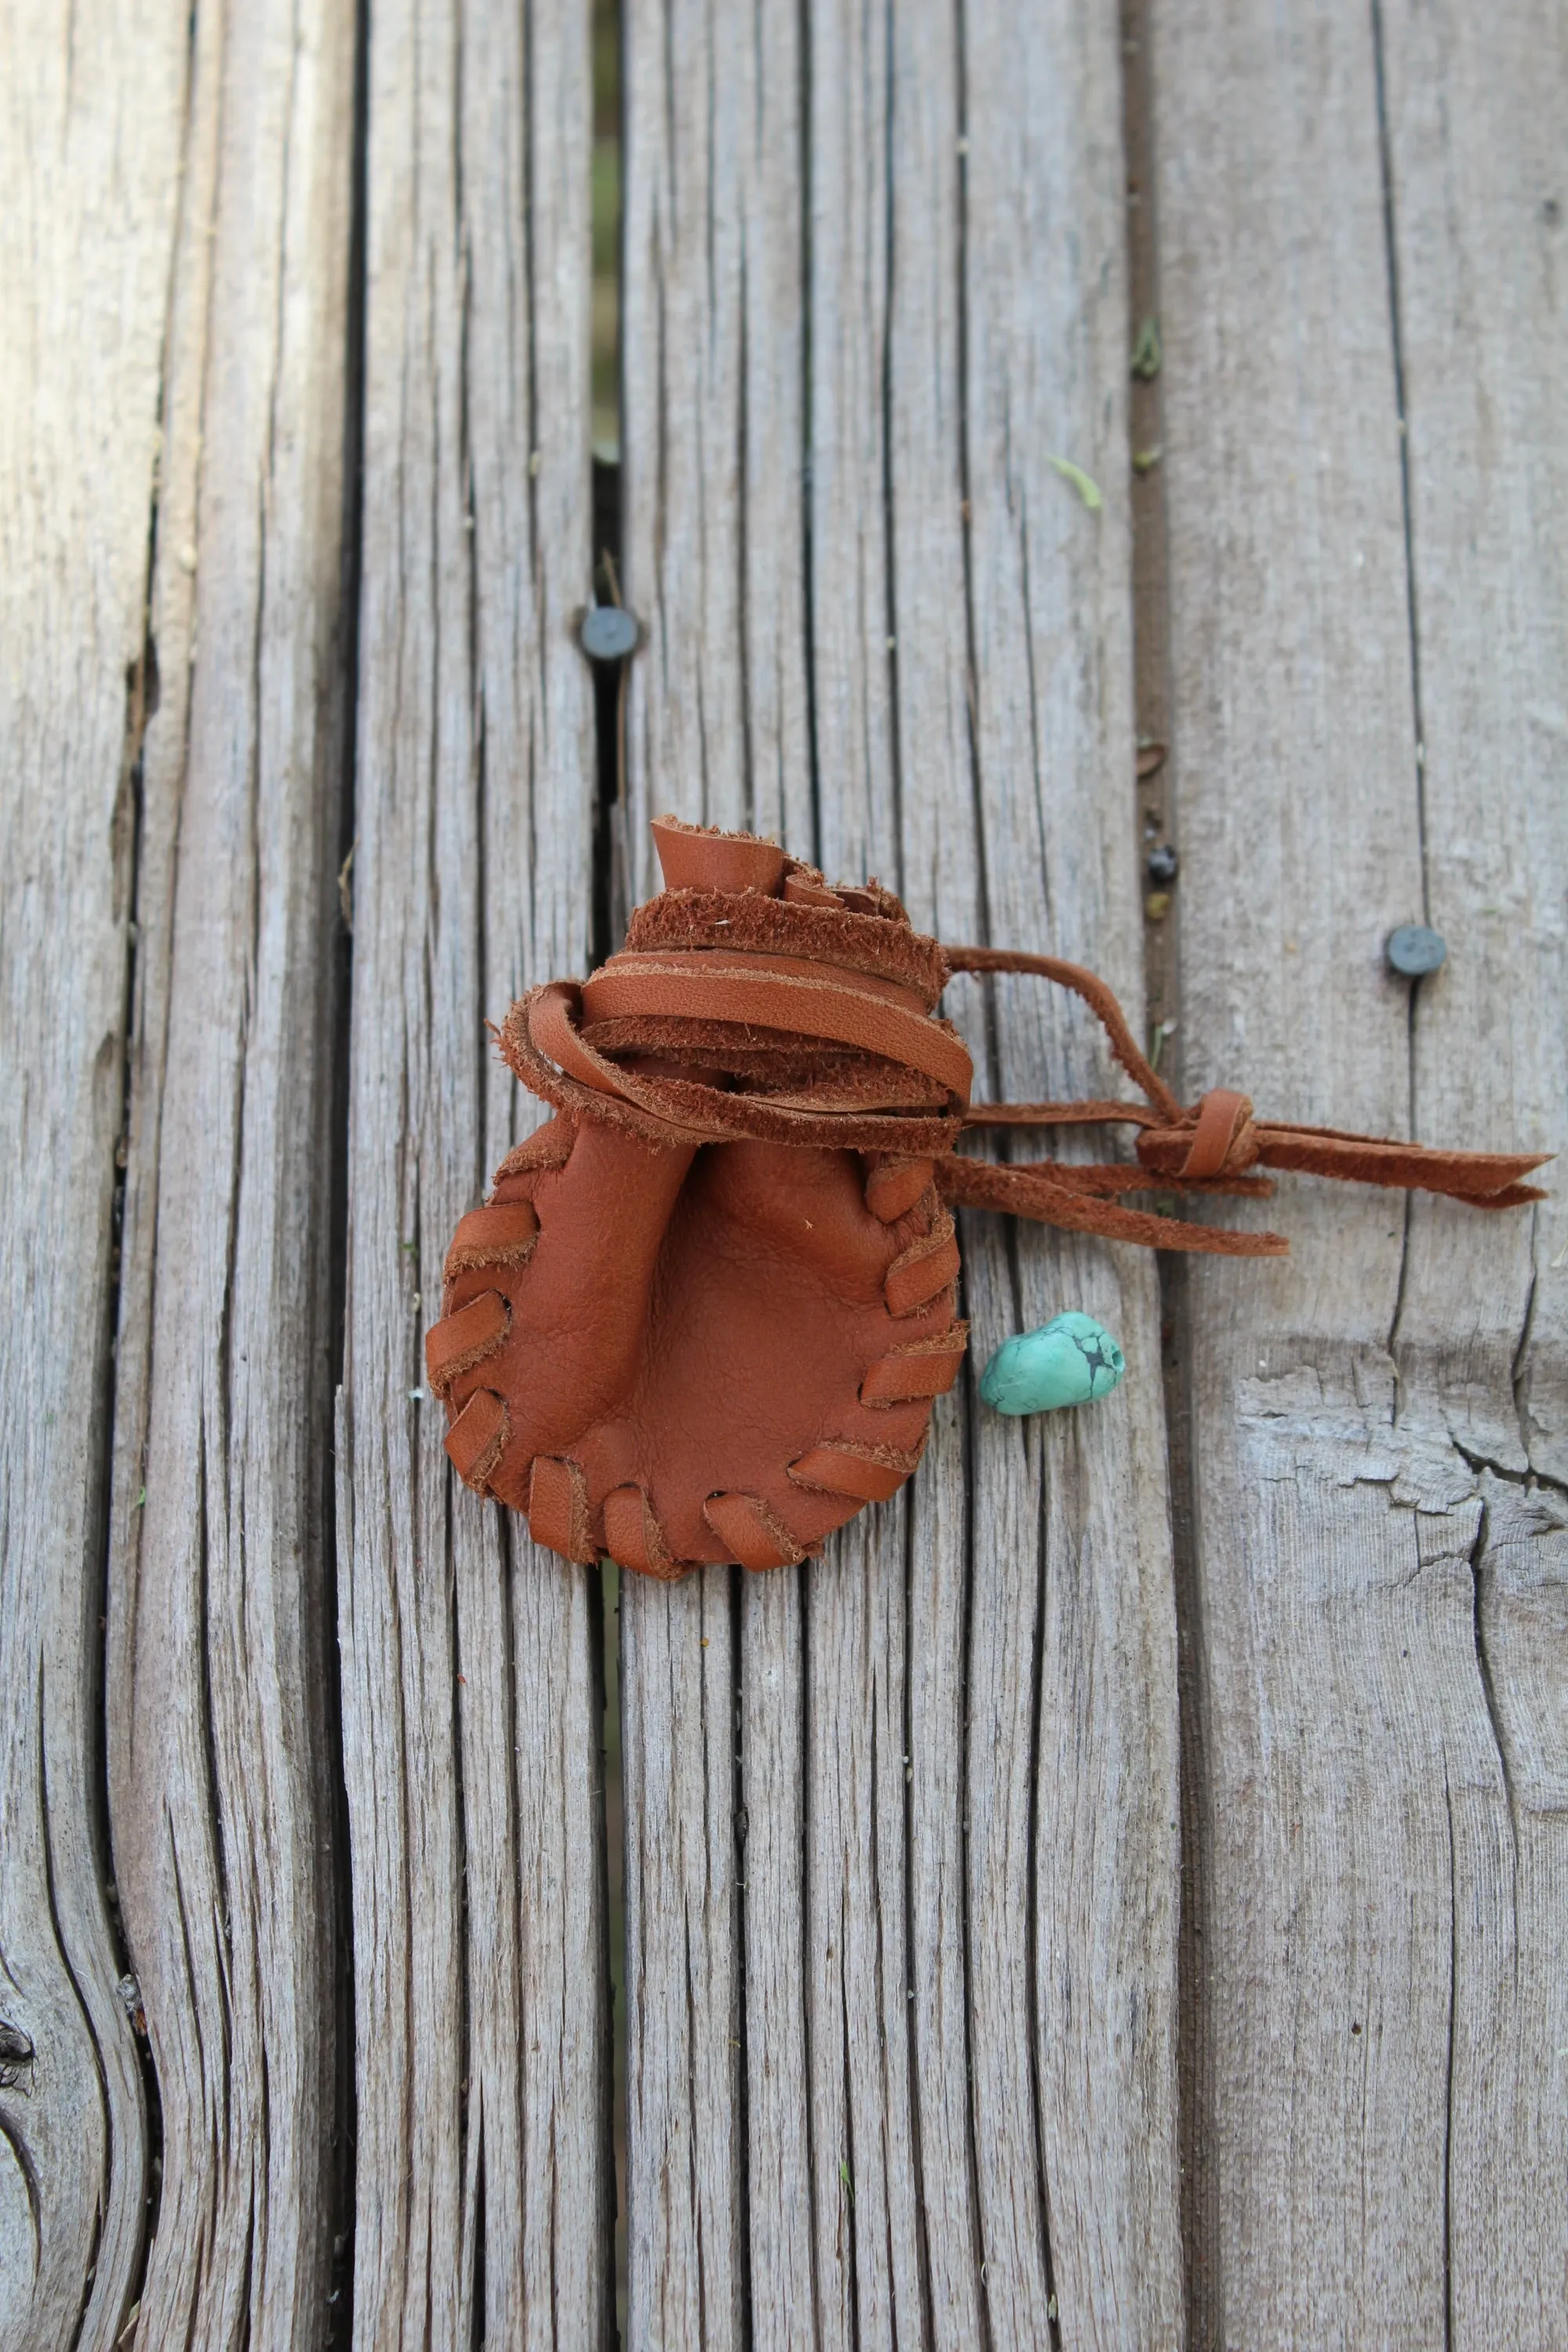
705,1311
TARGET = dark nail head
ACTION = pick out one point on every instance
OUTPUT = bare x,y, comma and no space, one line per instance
1163,864
1414,949
609,633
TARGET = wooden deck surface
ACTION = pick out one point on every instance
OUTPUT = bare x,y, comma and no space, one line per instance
1118,1897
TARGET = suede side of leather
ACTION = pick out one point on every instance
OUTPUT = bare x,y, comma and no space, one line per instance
695,1322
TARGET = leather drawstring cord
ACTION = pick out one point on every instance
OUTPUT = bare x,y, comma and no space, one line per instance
703,1032
1211,1148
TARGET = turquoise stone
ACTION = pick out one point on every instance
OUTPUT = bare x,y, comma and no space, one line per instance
1072,1360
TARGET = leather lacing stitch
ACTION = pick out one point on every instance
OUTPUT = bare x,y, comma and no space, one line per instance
701,1038
503,1232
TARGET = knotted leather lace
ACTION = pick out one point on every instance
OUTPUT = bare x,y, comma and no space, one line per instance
713,1027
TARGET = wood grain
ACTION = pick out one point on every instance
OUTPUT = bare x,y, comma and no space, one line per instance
960,2097
470,1680
221,1782
901,1826
685,2252
1358,2043
1480,210
717,722
91,108
1047,342
1323,1658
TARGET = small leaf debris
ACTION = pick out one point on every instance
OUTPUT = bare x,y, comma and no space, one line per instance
1145,460
1151,757
848,2184
1162,1029
1084,484
1147,354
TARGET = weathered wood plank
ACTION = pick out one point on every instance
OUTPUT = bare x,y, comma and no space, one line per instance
1480,212
885,469
1324,1874
957,1733
1047,344
683,1965
221,1784
712,538
471,1706
90,111
1354,1876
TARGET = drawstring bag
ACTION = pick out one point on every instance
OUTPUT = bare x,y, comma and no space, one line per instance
705,1311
